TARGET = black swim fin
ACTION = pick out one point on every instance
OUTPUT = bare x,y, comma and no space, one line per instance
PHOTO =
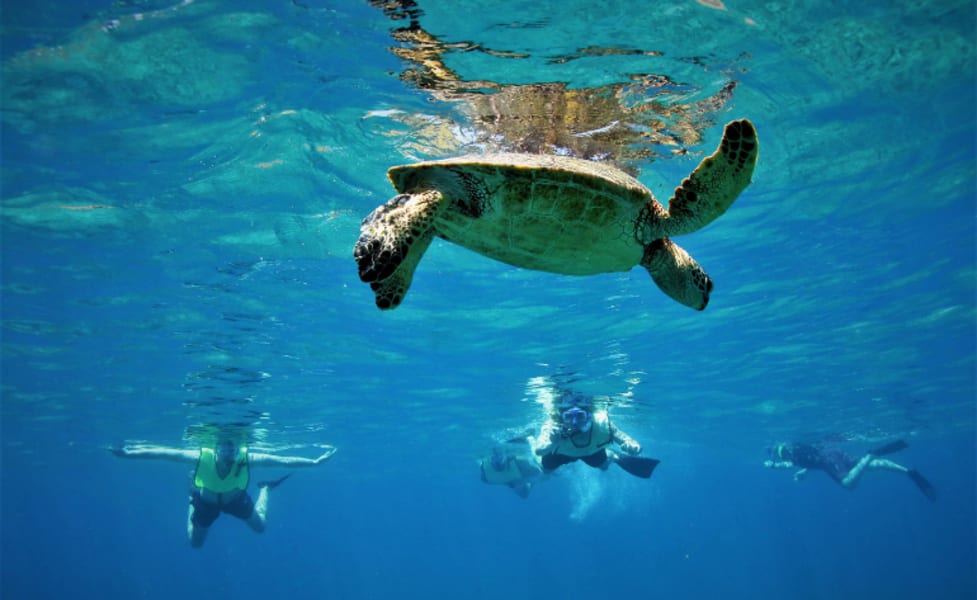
923,485
637,466
890,448
273,484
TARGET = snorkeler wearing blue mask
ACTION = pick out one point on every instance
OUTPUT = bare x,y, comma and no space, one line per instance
579,432
220,481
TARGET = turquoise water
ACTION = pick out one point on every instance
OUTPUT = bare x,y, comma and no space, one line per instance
182,186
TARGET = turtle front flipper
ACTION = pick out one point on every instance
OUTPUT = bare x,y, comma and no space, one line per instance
677,274
391,291
711,189
393,239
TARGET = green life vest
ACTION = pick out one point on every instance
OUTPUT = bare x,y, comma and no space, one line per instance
599,437
208,479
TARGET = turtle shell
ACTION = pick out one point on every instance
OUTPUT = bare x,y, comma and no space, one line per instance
549,213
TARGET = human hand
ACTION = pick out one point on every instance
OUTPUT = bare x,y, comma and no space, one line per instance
631,448
800,474
768,463
330,450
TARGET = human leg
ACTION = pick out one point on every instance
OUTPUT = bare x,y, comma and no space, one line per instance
551,461
259,518
884,463
855,472
249,511
870,462
600,460
200,516
196,534
920,481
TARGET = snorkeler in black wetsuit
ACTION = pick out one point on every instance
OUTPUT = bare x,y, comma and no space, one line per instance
835,463
842,468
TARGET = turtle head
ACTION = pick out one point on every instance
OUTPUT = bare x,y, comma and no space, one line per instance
677,274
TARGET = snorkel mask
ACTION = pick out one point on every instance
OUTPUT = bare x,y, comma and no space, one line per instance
576,420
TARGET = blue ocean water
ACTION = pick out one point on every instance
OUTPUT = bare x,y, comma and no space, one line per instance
182,186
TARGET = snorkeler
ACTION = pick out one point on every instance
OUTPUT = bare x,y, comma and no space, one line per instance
510,468
842,468
220,481
576,431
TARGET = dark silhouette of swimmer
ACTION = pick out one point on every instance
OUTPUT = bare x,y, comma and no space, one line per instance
842,468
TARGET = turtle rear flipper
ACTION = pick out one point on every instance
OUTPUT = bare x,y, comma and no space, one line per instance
677,274
711,189
393,239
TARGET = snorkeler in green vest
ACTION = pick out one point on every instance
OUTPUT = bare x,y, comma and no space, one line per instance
220,481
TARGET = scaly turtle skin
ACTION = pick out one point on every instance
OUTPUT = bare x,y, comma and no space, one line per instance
554,214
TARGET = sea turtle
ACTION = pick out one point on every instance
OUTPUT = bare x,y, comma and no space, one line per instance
554,214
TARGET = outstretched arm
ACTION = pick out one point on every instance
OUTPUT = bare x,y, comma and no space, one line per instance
257,458
160,452
627,443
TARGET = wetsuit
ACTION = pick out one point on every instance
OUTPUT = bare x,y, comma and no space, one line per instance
835,463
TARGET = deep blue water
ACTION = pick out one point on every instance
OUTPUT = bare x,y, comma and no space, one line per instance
182,185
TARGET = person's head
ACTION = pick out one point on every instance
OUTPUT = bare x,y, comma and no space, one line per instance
226,451
570,398
576,419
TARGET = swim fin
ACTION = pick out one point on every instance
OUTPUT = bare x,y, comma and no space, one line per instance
889,448
923,485
273,484
637,466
